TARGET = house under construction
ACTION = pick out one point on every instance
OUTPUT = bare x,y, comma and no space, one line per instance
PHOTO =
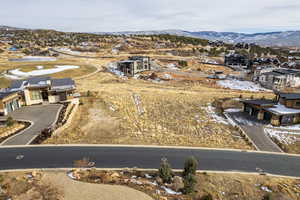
134,65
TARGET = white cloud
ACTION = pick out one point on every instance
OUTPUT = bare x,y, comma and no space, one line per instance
123,15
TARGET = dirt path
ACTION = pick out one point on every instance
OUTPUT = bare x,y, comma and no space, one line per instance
74,190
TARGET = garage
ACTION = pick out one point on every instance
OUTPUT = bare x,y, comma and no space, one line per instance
9,102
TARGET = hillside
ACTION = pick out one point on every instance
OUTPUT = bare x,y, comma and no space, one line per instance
288,38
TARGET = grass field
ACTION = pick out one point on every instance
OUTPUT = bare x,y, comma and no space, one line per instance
166,114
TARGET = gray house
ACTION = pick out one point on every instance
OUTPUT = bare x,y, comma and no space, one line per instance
134,65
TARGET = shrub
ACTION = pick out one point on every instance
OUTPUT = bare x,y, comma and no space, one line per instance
207,197
10,121
165,171
190,166
190,182
267,197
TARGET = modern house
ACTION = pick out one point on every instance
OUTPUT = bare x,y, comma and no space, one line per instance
237,61
36,90
134,65
9,101
280,78
284,111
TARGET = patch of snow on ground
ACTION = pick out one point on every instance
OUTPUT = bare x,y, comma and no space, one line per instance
169,191
281,136
233,110
113,68
33,59
241,85
211,111
20,74
266,189
291,128
40,67
172,66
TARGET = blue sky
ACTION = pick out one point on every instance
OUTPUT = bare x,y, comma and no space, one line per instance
136,15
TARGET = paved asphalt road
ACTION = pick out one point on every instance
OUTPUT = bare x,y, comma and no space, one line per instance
42,117
255,131
148,158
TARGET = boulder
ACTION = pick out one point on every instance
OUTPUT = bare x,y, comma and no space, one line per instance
177,183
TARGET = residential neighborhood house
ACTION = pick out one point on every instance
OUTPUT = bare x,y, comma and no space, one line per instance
36,90
285,110
134,65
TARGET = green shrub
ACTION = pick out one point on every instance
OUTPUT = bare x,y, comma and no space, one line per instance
165,171
190,166
190,182
10,121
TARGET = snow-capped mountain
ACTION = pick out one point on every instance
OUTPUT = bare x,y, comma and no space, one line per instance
287,38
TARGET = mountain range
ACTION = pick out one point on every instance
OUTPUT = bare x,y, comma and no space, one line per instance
282,38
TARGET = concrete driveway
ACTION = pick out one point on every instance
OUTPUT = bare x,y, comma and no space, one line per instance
41,117
255,131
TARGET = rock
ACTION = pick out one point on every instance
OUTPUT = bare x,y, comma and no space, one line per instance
159,181
115,175
177,183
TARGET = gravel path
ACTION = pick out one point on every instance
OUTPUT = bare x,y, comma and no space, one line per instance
75,190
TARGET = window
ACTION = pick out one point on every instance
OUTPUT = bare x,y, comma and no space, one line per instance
298,103
35,95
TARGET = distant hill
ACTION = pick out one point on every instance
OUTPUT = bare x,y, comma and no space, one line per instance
287,38
9,28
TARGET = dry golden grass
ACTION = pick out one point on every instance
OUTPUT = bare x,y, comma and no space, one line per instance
173,114
8,130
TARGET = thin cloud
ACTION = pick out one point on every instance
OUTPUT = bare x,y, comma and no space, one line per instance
120,15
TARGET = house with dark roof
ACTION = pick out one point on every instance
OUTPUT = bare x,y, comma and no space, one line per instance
285,110
36,90
134,65
280,78
9,101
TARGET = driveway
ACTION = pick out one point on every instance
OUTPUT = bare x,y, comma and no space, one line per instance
255,131
41,117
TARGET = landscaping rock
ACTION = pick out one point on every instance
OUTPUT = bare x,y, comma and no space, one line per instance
177,183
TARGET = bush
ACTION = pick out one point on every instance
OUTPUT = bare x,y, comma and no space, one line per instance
190,166
267,197
165,171
207,197
10,121
190,182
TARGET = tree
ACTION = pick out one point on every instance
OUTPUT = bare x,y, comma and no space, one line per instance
190,182
10,121
190,166
165,171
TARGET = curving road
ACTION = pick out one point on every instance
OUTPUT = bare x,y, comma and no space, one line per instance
37,157
41,117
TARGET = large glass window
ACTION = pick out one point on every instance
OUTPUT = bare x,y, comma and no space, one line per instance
35,95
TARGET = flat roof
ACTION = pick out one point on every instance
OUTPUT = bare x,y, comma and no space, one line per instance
6,94
259,102
291,96
280,109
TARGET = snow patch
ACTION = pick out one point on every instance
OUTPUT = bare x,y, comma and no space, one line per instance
282,136
18,74
211,111
169,191
241,85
